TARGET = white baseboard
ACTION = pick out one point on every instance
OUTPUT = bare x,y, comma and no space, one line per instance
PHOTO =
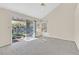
49,35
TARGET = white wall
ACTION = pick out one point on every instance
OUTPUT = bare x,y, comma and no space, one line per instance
61,22
77,25
5,30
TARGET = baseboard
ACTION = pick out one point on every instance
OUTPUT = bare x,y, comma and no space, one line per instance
5,45
49,35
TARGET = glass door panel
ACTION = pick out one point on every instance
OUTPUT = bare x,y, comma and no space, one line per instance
21,29
18,30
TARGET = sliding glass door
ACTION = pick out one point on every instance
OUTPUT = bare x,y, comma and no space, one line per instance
24,29
21,29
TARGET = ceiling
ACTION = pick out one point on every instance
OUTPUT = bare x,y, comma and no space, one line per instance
31,9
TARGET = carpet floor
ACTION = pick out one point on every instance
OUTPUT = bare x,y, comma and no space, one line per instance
42,46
